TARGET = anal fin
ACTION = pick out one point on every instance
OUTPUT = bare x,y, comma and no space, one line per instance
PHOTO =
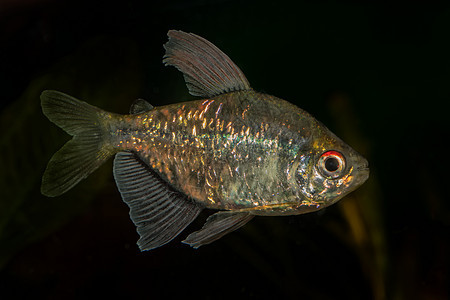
159,213
216,226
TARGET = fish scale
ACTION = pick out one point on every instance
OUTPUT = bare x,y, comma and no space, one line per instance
225,167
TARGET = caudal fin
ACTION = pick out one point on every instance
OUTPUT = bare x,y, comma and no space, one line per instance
80,156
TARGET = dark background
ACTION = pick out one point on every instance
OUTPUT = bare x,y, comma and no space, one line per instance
378,75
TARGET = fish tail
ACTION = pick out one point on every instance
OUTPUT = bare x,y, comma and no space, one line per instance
84,153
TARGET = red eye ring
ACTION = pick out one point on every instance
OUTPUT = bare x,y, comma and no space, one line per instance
331,164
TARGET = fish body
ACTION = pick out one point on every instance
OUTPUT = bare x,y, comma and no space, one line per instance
242,152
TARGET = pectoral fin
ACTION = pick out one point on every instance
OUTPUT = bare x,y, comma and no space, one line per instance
158,212
216,226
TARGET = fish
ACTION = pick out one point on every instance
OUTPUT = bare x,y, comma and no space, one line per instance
235,150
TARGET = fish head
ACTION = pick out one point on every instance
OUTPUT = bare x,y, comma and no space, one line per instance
327,170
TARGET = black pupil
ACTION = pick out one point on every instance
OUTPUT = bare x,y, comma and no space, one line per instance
332,164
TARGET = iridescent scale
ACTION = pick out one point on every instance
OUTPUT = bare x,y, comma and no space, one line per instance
223,152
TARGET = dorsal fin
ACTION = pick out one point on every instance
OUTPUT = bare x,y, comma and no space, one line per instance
140,106
207,70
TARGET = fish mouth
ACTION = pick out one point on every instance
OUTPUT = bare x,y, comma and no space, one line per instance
363,166
363,173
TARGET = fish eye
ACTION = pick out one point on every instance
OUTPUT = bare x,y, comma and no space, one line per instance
331,164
